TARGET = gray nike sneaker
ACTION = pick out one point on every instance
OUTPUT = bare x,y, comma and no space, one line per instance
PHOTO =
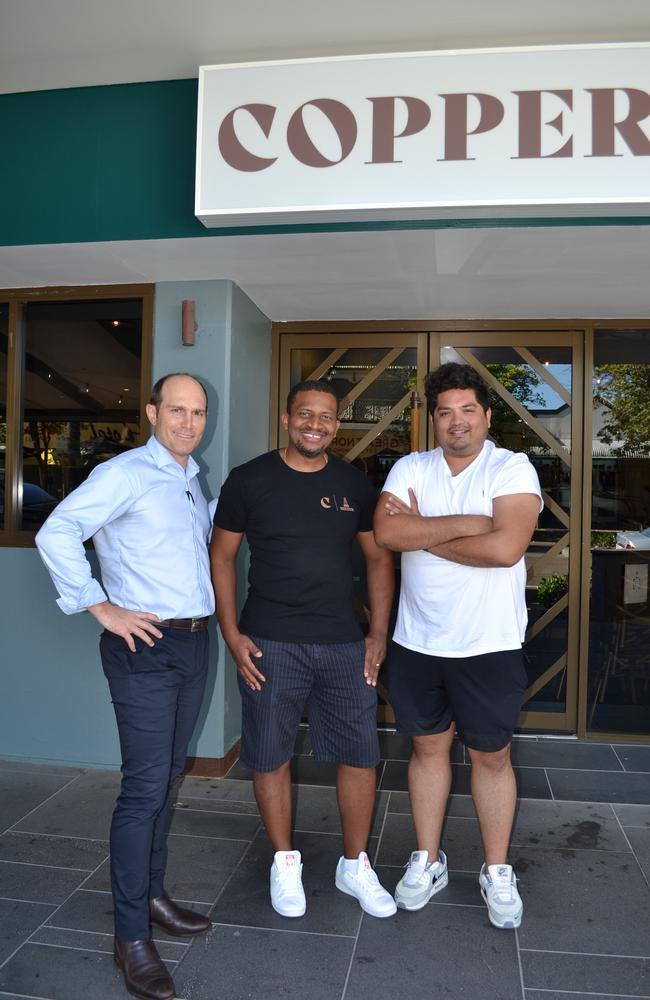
499,890
419,882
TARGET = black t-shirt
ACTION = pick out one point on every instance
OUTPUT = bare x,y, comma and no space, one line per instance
300,528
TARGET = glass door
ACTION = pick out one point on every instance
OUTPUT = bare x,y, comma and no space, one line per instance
536,383
537,409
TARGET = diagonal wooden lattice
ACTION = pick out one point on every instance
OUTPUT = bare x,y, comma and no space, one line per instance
368,379
325,365
544,374
548,675
555,550
555,508
560,664
547,617
381,425
536,425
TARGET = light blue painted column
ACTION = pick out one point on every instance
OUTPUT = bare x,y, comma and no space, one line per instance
249,386
54,700
232,357
209,360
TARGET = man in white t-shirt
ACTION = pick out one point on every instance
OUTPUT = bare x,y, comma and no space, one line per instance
462,516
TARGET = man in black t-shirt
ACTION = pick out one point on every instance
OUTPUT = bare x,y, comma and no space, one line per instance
298,639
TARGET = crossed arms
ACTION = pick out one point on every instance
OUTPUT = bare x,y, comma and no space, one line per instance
468,539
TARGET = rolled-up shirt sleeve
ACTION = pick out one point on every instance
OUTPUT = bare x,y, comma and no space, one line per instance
105,495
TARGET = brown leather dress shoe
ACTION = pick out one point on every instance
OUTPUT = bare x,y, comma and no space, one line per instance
177,919
145,976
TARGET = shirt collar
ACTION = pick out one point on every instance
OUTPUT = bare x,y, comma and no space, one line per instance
163,457
488,446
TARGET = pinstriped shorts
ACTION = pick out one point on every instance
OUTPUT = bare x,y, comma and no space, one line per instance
342,706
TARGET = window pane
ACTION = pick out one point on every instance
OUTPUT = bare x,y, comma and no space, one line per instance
81,395
4,343
619,612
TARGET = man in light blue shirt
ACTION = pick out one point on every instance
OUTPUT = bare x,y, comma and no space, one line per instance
150,525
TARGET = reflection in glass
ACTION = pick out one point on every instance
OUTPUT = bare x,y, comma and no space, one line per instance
81,395
4,344
619,611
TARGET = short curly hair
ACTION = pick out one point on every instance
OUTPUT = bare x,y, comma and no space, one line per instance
455,376
311,385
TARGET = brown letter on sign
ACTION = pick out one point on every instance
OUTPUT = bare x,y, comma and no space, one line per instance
456,131
301,144
231,149
383,125
604,128
530,123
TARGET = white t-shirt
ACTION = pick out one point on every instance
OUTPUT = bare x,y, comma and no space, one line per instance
447,609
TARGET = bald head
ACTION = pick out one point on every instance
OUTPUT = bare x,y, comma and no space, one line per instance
157,390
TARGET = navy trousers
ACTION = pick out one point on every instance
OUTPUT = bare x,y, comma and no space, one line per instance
157,693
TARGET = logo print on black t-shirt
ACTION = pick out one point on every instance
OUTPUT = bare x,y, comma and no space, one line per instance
328,502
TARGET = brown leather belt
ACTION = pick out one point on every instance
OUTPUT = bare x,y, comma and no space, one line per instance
189,624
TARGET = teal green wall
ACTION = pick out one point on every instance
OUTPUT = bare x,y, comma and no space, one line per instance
54,702
98,163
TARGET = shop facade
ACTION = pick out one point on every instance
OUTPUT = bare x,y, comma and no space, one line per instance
115,193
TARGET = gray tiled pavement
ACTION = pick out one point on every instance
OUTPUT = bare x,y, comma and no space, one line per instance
580,845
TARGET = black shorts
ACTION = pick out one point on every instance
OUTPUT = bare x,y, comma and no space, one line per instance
482,694
342,706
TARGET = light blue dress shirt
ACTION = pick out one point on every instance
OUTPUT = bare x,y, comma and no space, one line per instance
150,525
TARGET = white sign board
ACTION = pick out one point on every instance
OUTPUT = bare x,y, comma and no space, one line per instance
424,135
635,584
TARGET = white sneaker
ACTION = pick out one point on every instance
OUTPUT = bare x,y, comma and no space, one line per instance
287,893
366,887
419,883
499,890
